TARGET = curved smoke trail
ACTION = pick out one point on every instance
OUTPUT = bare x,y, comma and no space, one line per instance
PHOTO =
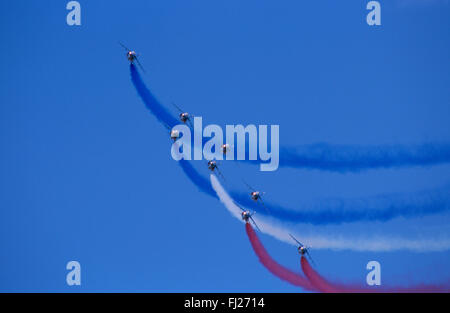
150,100
316,280
380,208
322,156
323,285
198,180
330,241
273,267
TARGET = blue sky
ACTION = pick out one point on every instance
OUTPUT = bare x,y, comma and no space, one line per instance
86,172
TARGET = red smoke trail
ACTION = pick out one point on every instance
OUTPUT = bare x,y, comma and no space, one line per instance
321,284
275,268
318,281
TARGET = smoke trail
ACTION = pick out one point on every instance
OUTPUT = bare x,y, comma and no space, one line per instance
150,101
273,267
323,285
380,208
167,119
280,231
355,158
336,211
322,156
316,280
201,182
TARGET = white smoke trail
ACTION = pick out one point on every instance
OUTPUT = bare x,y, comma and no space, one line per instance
311,237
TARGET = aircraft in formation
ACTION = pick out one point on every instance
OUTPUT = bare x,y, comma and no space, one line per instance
302,249
248,216
255,195
132,56
185,117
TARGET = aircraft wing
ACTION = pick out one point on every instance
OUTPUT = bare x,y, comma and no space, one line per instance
124,46
309,256
295,239
139,63
176,106
249,187
265,207
220,173
254,223
240,207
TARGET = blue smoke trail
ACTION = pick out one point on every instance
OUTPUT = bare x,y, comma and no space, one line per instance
150,101
201,182
381,208
337,211
167,119
354,158
378,208
322,156
357,158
